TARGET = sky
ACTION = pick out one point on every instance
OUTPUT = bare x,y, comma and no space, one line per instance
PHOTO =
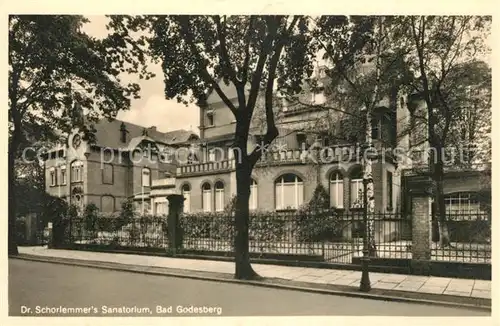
152,109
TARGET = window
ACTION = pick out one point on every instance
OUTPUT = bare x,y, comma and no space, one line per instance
107,204
337,190
253,195
318,96
389,191
146,177
63,174
107,174
375,128
289,192
211,155
76,171
302,140
219,196
206,199
161,207
461,203
357,188
186,192
53,177
210,118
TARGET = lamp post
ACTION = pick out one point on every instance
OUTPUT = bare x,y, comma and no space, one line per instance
365,260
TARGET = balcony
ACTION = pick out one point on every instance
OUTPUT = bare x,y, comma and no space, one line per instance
329,154
206,167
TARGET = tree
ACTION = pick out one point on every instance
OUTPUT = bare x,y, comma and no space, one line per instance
56,70
439,47
468,91
366,69
253,54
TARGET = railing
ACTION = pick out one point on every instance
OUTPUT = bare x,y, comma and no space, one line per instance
328,154
306,235
115,233
200,168
469,238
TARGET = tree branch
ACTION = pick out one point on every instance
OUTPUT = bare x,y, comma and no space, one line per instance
272,131
184,23
265,49
246,61
225,61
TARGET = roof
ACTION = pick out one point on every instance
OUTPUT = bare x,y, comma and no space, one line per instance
179,136
108,134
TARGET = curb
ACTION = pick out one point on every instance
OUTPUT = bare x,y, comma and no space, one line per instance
392,296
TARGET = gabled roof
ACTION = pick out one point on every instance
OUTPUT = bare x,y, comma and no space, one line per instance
108,134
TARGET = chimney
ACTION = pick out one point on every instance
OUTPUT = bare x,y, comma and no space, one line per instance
152,128
123,133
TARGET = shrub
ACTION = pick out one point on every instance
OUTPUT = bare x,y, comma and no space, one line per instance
90,216
316,220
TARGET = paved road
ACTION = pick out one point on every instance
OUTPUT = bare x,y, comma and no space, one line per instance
44,288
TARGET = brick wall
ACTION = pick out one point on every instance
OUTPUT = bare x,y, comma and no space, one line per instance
421,227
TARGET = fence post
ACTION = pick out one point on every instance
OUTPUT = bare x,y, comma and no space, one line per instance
175,205
421,197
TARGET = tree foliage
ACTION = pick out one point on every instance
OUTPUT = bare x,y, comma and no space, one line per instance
57,75
254,55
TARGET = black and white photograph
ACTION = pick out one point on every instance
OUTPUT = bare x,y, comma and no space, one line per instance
245,165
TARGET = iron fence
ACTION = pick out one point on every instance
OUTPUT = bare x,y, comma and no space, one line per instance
327,235
139,232
468,238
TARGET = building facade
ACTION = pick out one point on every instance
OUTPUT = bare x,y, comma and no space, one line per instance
130,161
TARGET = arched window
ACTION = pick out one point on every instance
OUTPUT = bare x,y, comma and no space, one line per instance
76,171
146,177
253,195
357,188
336,190
219,196
462,203
206,200
289,192
186,192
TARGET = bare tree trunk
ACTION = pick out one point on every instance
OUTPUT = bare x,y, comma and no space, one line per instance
12,211
244,270
368,179
438,173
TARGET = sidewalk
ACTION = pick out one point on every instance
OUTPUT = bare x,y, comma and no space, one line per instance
445,289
